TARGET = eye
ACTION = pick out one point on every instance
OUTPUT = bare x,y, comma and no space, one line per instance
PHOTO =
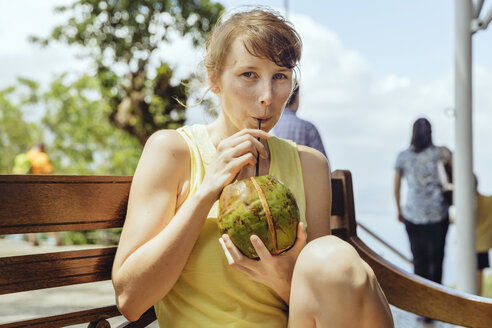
248,75
280,76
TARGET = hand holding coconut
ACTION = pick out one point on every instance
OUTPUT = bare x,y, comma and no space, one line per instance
274,271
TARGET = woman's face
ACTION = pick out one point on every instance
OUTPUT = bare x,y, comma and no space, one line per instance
251,88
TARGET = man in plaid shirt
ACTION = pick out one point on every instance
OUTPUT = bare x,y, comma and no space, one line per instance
298,130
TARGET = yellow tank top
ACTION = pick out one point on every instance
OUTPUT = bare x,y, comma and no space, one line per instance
484,223
209,293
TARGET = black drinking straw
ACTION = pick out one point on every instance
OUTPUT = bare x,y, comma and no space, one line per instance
258,159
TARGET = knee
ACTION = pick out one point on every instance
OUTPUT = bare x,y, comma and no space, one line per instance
329,263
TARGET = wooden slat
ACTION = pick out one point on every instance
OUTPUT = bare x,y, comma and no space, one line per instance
68,319
31,272
42,203
424,297
31,203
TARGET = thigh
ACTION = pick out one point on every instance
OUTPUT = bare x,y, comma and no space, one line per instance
333,287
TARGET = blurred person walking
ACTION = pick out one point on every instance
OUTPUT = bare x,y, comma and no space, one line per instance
425,212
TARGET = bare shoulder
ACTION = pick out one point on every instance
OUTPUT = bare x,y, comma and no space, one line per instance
165,146
313,162
167,141
165,157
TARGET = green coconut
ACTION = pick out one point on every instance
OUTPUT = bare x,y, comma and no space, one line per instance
262,206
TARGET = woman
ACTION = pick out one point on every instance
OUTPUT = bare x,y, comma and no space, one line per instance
425,213
171,253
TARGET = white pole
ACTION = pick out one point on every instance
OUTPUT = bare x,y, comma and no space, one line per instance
464,190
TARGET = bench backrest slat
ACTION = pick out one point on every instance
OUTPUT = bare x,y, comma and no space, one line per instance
30,272
62,203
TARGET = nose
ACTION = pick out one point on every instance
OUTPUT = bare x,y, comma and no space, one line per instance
266,93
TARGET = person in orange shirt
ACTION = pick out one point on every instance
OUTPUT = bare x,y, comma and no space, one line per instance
40,164
40,161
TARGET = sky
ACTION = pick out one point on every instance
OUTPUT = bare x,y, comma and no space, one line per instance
368,70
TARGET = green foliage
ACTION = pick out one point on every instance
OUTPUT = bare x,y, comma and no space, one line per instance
123,40
100,237
79,138
22,164
16,133
84,140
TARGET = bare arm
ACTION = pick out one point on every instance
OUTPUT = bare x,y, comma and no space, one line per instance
396,190
146,250
317,188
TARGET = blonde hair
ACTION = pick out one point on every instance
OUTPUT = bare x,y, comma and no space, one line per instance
264,32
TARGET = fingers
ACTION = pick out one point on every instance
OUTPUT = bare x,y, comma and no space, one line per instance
255,133
301,237
244,141
260,248
234,252
234,256
228,255
238,151
234,154
301,232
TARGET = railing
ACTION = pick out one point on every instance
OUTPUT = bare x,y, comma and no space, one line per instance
394,250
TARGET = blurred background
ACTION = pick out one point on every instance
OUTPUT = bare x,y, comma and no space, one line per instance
93,89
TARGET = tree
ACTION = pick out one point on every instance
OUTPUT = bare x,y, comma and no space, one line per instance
122,38
17,134
71,118
84,140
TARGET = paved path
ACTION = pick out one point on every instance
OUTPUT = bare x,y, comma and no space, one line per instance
29,305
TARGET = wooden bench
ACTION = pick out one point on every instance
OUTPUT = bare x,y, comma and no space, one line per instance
44,203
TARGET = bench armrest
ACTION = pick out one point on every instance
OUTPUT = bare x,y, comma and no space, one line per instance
424,297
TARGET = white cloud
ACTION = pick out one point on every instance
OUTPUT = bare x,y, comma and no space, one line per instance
365,118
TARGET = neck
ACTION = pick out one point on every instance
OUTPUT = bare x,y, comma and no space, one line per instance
218,131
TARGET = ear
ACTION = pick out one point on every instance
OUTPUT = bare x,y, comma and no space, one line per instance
213,82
